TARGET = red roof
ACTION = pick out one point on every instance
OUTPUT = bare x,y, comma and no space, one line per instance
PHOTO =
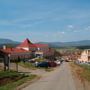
40,45
14,50
26,43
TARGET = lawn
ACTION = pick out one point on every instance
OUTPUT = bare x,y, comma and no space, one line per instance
13,85
41,60
28,65
8,73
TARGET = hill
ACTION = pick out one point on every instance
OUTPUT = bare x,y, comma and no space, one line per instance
8,41
66,44
52,44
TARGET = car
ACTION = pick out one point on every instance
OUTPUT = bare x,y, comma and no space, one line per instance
57,62
53,64
43,64
66,60
61,60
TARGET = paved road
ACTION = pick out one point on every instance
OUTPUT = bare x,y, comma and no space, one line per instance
60,79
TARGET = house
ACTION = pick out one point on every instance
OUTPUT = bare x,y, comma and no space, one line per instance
85,56
28,50
14,53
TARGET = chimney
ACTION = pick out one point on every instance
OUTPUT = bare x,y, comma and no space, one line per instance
4,47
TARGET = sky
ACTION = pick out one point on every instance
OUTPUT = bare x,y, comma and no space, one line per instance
45,20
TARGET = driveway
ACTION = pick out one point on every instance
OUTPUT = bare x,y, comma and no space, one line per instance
60,79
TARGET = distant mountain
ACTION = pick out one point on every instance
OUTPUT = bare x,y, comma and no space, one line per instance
52,44
63,44
8,41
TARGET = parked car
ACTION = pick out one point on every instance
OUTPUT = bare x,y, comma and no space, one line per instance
43,64
61,60
66,60
53,64
57,62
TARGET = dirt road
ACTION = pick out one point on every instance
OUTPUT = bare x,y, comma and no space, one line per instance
60,79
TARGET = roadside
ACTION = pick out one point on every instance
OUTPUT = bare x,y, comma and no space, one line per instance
81,76
60,78
11,79
18,82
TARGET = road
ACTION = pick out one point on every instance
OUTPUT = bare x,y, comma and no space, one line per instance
59,79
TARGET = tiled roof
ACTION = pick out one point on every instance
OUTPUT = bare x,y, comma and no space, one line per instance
26,43
14,50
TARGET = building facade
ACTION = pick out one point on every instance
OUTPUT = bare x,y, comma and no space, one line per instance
27,50
85,56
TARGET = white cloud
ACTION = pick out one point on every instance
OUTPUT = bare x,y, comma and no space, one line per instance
77,30
88,28
61,33
71,26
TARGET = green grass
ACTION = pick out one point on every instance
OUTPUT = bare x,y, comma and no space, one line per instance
13,85
86,67
28,65
49,69
41,59
86,71
70,48
8,73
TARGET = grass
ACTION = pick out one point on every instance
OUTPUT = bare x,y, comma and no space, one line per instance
83,71
13,85
86,73
86,67
28,65
49,69
8,73
41,59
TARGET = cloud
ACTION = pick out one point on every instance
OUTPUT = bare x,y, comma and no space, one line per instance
83,30
71,26
60,33
77,30
88,28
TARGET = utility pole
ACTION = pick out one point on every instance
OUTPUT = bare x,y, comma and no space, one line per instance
18,59
9,62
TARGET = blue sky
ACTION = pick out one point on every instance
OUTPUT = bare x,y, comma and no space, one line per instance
45,20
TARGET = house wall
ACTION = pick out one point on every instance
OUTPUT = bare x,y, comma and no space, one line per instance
25,48
28,48
85,56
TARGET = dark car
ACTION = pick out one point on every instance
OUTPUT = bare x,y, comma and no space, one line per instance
43,64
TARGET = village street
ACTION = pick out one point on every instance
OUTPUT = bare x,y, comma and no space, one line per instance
60,79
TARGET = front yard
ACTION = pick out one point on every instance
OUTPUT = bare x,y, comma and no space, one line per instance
11,79
28,65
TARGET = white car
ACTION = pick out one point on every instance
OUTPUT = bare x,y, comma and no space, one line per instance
57,62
